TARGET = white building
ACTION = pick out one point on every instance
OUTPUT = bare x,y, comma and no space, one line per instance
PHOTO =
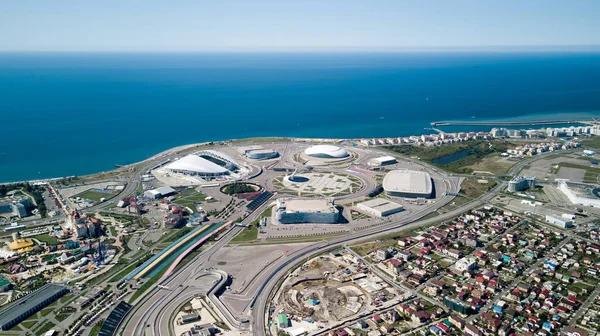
300,211
579,193
159,192
326,152
521,183
560,222
378,207
382,161
194,165
589,153
408,183
466,264
262,154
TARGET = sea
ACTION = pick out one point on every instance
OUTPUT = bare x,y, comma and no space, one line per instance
64,114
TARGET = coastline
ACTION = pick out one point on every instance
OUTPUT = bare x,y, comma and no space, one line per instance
182,148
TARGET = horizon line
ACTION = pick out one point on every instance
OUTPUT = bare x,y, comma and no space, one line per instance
503,48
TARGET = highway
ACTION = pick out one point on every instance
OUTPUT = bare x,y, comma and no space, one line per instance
150,309
262,297
151,314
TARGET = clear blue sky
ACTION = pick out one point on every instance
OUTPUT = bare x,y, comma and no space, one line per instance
200,25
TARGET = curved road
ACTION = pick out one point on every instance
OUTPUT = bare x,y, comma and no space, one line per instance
148,316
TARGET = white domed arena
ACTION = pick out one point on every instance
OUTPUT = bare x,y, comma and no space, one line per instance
326,152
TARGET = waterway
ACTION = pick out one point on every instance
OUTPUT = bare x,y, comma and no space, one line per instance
444,160
79,113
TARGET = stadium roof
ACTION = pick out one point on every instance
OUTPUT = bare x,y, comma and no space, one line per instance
110,325
21,306
324,205
217,154
326,150
384,159
408,181
195,163
381,204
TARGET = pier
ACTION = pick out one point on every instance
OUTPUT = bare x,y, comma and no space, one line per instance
508,123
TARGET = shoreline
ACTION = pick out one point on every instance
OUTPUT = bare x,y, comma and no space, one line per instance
181,148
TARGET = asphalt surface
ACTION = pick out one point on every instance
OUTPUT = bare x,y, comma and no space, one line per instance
261,303
148,315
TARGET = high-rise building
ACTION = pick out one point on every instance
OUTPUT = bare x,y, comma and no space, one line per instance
521,183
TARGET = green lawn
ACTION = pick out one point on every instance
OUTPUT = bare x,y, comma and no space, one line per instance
471,189
96,328
178,234
147,285
189,198
593,142
62,316
95,196
113,231
44,328
46,311
29,324
251,233
478,153
46,238
66,298
119,276
248,234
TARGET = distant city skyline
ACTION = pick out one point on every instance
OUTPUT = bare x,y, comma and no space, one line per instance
335,25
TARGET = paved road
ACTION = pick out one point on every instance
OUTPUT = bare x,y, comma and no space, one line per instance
152,307
262,298
147,311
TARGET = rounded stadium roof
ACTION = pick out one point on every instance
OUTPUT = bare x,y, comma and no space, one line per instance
193,163
326,151
408,182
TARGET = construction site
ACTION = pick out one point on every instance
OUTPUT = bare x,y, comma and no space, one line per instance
326,290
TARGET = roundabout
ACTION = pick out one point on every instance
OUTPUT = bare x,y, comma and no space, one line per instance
240,188
329,184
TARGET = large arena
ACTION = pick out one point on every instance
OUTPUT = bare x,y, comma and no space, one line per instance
326,152
408,183
194,165
201,166
299,211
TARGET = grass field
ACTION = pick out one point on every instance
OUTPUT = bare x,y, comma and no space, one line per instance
147,285
373,244
470,190
46,238
94,195
248,234
96,328
178,234
251,233
593,142
493,164
481,155
44,328
66,298
29,324
124,271
189,197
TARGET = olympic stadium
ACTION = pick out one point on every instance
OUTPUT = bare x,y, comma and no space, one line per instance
408,183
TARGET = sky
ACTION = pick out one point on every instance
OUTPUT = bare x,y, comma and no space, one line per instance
256,25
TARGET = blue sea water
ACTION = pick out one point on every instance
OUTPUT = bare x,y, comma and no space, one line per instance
74,113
